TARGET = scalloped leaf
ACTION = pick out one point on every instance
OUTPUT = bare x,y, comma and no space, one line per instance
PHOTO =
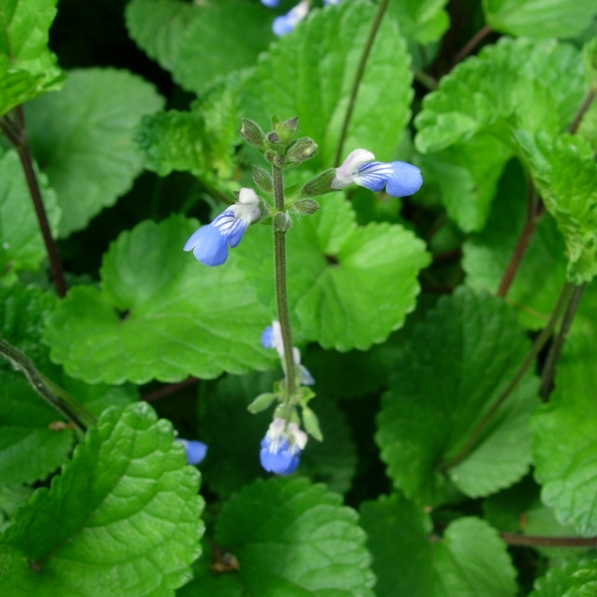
422,20
350,286
82,139
121,520
159,315
568,579
21,243
437,397
309,73
291,538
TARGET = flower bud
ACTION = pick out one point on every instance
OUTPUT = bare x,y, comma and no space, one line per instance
286,129
311,423
301,150
261,403
306,206
282,222
262,178
273,140
320,185
252,133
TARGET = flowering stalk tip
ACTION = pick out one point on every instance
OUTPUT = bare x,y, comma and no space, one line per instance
281,447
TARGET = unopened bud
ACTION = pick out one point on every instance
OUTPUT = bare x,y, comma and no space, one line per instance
301,150
282,222
273,140
287,129
306,206
262,178
261,403
311,423
252,133
320,185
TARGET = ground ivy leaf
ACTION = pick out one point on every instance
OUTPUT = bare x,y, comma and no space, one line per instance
279,530
177,317
16,87
423,21
225,425
539,18
575,578
351,286
309,74
532,85
21,242
82,139
121,519
565,174
11,497
438,396
542,270
564,441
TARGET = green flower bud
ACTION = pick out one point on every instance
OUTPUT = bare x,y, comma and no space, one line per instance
301,150
262,178
305,206
252,133
260,403
286,129
320,185
282,222
311,423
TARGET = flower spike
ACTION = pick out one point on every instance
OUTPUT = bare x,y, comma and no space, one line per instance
400,178
210,243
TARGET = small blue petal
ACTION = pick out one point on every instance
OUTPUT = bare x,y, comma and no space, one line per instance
406,180
267,338
196,450
270,3
282,25
236,232
209,246
373,175
281,462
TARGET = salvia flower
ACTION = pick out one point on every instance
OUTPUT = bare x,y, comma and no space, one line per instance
210,243
272,338
399,178
196,450
286,23
281,447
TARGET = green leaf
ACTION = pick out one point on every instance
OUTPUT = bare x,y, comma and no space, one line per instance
10,499
437,398
16,86
564,440
565,173
291,539
539,18
351,286
542,270
182,38
568,579
159,315
469,560
423,20
82,139
309,73
21,242
520,83
121,520
226,425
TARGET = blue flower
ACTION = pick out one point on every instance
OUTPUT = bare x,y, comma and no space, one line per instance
281,447
326,2
210,243
272,338
196,451
270,3
399,178
286,23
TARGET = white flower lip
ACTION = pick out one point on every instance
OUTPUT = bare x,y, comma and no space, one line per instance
345,173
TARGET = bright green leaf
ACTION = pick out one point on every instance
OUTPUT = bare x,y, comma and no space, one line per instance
423,20
532,85
121,520
309,73
291,539
21,242
539,18
16,86
565,173
351,286
542,270
455,367
82,139
160,314
10,499
568,579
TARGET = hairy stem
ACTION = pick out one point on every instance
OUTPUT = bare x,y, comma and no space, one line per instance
280,278
471,44
530,540
539,343
17,135
47,389
549,371
381,9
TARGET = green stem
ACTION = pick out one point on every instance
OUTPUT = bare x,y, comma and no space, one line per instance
539,343
381,9
47,389
422,77
280,278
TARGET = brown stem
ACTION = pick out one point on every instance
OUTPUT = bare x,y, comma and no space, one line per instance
530,540
471,44
17,135
170,389
539,343
381,9
582,110
549,371
422,77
